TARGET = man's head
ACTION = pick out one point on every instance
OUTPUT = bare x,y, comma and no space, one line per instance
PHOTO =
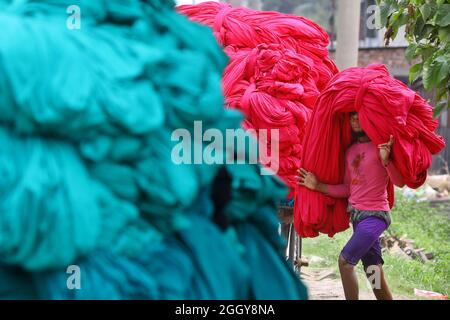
354,122
357,131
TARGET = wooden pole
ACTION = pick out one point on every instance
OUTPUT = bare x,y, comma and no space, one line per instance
348,21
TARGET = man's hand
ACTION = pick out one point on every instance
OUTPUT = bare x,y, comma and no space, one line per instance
307,179
385,150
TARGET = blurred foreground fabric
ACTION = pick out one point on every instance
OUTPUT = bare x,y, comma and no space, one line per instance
86,170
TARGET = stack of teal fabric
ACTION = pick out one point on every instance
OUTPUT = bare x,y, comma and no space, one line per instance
86,174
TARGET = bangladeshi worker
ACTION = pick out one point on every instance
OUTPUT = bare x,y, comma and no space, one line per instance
368,169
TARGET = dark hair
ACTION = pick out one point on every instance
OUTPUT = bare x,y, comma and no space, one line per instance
353,113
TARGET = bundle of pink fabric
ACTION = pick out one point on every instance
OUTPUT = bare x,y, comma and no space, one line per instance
279,63
386,107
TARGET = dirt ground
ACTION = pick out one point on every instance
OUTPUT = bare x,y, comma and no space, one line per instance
325,284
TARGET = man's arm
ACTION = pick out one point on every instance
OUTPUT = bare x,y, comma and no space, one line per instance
340,190
309,180
394,175
337,190
385,155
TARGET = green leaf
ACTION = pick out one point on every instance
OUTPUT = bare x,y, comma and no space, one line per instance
440,106
384,14
426,11
442,93
419,26
386,11
404,18
443,72
411,51
440,56
395,32
426,52
444,34
427,31
431,70
395,16
414,72
443,15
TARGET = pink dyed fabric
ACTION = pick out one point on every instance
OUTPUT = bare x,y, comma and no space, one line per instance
386,107
279,63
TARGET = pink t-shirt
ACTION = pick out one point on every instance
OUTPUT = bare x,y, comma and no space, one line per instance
366,178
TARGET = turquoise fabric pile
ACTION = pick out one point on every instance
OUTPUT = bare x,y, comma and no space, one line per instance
86,175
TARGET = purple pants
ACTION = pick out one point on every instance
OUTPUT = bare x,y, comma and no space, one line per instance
365,242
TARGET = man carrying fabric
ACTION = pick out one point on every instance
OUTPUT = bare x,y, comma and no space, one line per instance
368,170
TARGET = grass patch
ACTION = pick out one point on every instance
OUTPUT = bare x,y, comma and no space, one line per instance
419,222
